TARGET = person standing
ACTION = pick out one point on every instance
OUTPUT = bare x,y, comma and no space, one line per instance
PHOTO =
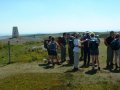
53,51
63,48
94,50
76,51
86,49
82,47
46,42
110,52
117,51
70,48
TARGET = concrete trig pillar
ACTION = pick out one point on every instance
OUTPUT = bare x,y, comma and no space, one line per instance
15,33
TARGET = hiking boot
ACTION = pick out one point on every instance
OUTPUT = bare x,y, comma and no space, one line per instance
58,63
116,66
75,69
111,66
99,68
83,66
49,62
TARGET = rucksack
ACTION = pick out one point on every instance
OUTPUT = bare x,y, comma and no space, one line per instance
52,46
115,45
71,42
45,44
93,44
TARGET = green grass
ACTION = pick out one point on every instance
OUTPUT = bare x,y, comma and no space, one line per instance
21,53
53,81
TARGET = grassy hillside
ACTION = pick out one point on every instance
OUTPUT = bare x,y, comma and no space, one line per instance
58,78
21,52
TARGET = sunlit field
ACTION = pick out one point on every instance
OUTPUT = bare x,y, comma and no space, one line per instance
27,73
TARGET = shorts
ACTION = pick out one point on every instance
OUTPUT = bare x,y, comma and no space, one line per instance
94,52
117,52
53,53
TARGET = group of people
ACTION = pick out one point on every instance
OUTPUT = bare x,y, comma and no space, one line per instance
113,50
86,45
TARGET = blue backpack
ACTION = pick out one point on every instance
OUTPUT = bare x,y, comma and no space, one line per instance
115,45
93,44
52,46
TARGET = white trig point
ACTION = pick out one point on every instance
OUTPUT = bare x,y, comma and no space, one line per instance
15,33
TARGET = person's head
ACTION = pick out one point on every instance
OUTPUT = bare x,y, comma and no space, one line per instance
117,35
83,34
87,33
92,35
76,35
64,35
112,33
52,38
68,35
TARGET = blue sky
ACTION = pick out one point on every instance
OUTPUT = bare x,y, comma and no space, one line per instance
51,16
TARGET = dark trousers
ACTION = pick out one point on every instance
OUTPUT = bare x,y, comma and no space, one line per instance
82,54
86,56
63,54
110,54
71,55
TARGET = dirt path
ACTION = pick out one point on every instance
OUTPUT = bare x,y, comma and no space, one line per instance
34,67
37,67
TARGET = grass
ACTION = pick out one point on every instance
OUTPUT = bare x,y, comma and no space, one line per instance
102,80
21,53
55,81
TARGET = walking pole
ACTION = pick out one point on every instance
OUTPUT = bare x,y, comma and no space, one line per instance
9,54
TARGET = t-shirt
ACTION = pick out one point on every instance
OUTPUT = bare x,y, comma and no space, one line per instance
63,41
76,44
86,43
109,40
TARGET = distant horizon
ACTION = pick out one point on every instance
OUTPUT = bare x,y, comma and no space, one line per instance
54,16
104,31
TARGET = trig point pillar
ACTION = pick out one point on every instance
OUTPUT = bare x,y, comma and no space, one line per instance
15,33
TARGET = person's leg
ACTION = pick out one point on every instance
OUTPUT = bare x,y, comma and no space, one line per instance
63,52
109,57
82,54
88,63
93,57
52,60
119,62
116,57
111,54
70,55
85,56
76,61
107,61
97,60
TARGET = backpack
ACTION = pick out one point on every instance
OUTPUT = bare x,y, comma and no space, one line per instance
93,44
115,45
71,42
46,44
52,46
